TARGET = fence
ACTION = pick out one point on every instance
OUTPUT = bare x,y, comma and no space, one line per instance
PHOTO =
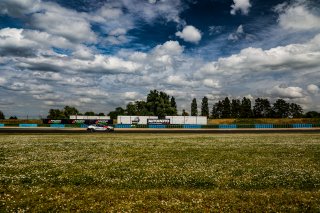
177,126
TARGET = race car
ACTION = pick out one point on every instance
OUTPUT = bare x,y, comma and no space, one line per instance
100,128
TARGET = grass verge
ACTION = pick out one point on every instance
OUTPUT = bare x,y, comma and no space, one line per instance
160,172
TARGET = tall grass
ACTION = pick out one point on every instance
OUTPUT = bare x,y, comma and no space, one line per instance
160,172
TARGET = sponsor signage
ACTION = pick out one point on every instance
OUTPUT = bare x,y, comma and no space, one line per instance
158,121
78,121
54,121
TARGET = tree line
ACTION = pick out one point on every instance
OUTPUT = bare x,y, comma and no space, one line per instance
262,108
160,104
67,111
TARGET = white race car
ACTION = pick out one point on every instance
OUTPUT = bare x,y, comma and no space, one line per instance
100,128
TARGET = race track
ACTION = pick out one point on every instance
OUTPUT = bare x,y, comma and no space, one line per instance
46,130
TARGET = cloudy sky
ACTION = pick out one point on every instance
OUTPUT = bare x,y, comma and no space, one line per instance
100,54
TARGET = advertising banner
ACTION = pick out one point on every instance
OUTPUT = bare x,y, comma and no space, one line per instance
158,121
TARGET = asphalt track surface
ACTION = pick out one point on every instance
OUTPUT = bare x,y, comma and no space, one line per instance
46,130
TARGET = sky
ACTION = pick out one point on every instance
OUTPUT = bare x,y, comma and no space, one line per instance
96,55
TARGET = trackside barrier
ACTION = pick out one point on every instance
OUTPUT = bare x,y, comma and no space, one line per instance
83,126
282,126
57,125
28,125
157,126
227,126
173,126
1,125
123,126
263,126
191,126
302,125
246,126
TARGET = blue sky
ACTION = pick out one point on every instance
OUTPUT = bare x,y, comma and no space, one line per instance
100,54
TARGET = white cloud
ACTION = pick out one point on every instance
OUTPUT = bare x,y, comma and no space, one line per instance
63,22
168,48
237,35
2,81
211,83
297,17
240,5
291,58
178,80
313,89
190,34
287,92
131,95
18,8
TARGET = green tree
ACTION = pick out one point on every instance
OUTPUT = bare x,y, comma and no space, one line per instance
246,111
173,105
295,110
2,117
131,109
226,110
217,110
153,102
312,114
70,111
235,108
184,113
13,117
194,107
101,114
205,107
281,109
118,111
56,114
89,114
141,107
262,108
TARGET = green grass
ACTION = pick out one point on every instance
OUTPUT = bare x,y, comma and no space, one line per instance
160,172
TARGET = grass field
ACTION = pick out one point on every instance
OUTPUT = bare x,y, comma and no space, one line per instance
160,173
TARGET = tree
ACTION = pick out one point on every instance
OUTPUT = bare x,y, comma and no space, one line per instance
246,111
158,103
217,110
235,108
226,108
101,114
173,105
141,107
56,114
262,108
295,110
70,111
13,117
131,109
204,107
194,107
2,117
118,111
89,113
312,114
184,113
280,109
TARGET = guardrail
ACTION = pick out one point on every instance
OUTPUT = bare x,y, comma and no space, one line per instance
178,126
28,125
57,125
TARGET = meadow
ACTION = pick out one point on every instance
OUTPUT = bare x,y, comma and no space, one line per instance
160,172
